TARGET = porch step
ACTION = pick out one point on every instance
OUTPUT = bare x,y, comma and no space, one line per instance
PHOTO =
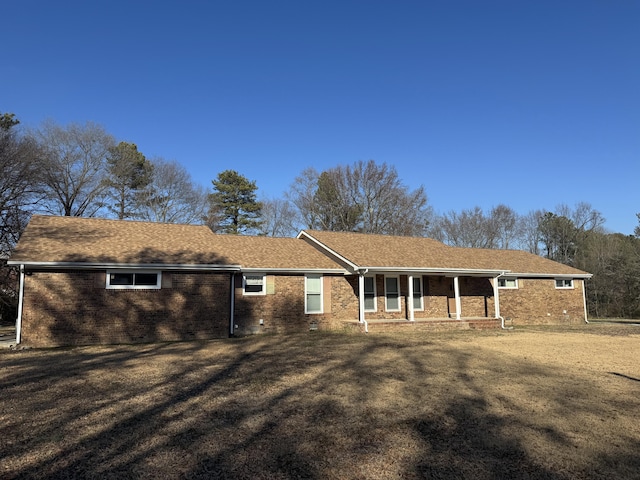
382,326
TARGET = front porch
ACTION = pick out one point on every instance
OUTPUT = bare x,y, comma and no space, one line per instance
422,324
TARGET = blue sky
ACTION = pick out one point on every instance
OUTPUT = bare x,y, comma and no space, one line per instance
531,104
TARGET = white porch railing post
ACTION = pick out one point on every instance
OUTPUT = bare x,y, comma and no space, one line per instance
410,299
361,298
456,290
496,297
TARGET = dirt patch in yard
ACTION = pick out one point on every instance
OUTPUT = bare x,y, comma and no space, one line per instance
527,403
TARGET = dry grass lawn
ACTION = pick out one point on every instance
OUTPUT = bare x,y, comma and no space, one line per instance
528,403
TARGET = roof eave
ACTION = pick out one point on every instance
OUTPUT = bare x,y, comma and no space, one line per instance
552,275
115,265
439,271
340,271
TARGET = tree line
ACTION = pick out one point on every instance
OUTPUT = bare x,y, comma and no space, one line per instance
81,170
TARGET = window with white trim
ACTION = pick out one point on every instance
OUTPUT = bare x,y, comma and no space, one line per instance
564,282
417,294
131,280
313,294
370,294
254,284
507,282
391,294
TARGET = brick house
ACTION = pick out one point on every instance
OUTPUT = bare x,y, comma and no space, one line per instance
88,281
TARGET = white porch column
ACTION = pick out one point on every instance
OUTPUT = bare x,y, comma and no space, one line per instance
361,298
456,291
410,299
496,297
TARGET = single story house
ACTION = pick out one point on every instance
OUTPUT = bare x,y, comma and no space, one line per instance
92,281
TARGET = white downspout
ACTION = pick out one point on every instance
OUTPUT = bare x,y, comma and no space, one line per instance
410,299
456,291
584,300
496,297
361,318
233,303
20,306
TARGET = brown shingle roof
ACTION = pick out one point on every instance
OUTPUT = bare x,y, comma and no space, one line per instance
93,240
273,253
388,252
102,241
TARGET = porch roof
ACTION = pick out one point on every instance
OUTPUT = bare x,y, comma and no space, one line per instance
389,253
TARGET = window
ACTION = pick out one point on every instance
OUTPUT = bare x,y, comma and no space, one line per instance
392,294
507,282
417,294
254,284
370,294
123,280
564,282
313,294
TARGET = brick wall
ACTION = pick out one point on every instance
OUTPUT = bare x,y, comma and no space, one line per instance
281,309
536,301
75,308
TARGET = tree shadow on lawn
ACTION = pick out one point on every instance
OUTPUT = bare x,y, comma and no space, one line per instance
300,406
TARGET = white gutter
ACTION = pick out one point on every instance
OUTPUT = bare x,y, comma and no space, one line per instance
156,266
20,306
548,275
341,271
447,272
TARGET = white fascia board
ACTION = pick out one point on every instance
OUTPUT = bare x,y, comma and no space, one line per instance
327,249
113,266
438,271
551,275
340,271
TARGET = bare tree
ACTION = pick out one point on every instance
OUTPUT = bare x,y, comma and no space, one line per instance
20,187
171,196
501,228
19,193
73,167
531,236
279,218
388,206
365,197
302,197
506,227
469,228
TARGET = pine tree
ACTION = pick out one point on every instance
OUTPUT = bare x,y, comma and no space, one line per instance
233,205
128,172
